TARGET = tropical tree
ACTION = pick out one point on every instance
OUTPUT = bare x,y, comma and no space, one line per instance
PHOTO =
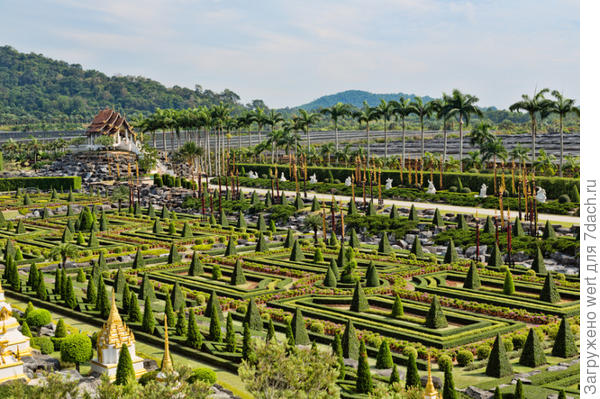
335,112
402,109
272,119
481,134
473,160
545,164
519,154
462,106
422,110
562,107
326,150
367,114
386,111
441,107
534,106
260,118
304,120
64,251
494,149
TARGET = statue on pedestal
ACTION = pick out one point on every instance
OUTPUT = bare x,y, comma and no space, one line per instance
431,189
388,183
348,181
313,179
541,195
482,191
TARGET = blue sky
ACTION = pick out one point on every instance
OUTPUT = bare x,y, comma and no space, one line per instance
291,52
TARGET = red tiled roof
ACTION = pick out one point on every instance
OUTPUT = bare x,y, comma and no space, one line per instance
109,121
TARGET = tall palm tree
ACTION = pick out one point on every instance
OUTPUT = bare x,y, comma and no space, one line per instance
335,112
533,106
273,118
326,150
422,111
441,107
494,149
481,134
274,138
562,107
260,117
386,110
520,154
462,106
402,109
305,119
367,114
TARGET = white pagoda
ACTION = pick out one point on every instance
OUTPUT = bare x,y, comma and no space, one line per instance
112,337
9,330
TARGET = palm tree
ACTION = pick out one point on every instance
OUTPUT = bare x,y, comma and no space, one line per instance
545,163
344,154
520,154
441,108
402,109
120,194
273,118
274,138
494,149
386,110
314,223
481,134
561,106
304,120
366,115
335,112
260,117
64,251
190,153
423,111
533,106
473,160
462,106
326,150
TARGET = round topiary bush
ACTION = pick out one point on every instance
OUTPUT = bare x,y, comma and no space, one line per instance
317,327
464,357
483,352
518,340
444,362
564,198
44,344
407,351
38,317
465,190
203,374
149,376
452,189
508,345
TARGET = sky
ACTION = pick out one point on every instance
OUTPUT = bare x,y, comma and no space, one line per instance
290,52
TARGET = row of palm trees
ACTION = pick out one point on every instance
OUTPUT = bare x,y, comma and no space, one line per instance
220,121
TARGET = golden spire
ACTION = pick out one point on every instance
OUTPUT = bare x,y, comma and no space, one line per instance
167,365
113,316
430,391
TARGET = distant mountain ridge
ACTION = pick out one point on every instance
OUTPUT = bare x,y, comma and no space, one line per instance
356,98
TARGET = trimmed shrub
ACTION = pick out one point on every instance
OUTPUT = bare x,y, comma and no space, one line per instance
451,256
384,245
464,357
472,281
297,255
364,384
299,329
549,292
252,317
417,248
495,259
203,374
384,356
412,373
38,318
509,285
359,299
125,372
237,277
435,317
498,365
564,344
350,341
397,308
533,352
45,344
372,275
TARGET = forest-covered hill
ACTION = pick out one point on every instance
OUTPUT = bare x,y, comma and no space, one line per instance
356,98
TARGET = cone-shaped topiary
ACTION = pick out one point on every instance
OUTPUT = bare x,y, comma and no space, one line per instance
213,299
395,376
330,280
372,276
119,281
169,313
384,245
451,256
394,213
318,256
231,247
299,329
497,394
101,262
177,298
261,225
215,327
223,219
334,268
67,236
70,299
449,391
562,394
138,260
297,255
533,352
517,228
352,208
437,220
412,214
548,231
237,277
384,356
146,289
359,299
194,338
41,292
333,241
549,292
489,227
316,205
270,330
435,316
157,227
417,248
509,285
102,303
350,341
125,373
412,373
134,310
289,239
174,256
371,209
230,343
186,232
472,281
498,365
151,211
354,241
495,259
125,299
519,390
268,200
241,223
252,316
342,261
148,322
538,264
284,200
364,384
298,203
93,241
461,224
397,308
564,343
196,268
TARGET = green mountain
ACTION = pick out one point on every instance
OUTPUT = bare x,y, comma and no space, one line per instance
35,88
356,98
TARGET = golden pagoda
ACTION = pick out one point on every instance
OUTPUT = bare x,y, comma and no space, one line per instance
9,330
113,335
430,391
167,364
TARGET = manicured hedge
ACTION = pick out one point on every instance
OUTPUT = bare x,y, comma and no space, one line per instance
554,186
43,183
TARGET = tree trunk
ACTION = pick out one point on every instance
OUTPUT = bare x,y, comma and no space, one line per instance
164,137
386,137
532,139
460,133
561,145
422,139
368,143
445,143
307,136
337,139
403,143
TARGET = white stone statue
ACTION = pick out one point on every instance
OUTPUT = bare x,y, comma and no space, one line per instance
482,192
388,183
348,181
252,175
431,189
313,179
541,195
282,177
